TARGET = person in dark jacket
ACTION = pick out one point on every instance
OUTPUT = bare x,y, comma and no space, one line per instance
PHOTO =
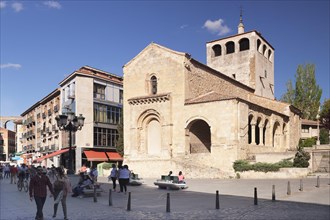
38,191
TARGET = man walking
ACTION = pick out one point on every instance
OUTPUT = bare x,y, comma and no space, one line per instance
38,191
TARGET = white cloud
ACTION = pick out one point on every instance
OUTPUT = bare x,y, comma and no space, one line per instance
10,65
53,4
17,6
183,26
3,4
217,27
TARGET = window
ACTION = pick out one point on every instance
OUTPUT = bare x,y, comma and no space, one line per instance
258,45
121,96
106,114
264,49
104,137
216,50
99,91
230,46
153,81
244,44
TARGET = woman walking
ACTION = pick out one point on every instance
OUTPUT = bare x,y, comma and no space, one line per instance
62,187
113,176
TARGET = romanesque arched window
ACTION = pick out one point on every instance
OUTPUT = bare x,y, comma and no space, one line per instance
269,54
153,82
230,47
216,50
258,44
244,44
264,48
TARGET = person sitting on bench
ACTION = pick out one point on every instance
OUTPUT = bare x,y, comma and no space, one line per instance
79,189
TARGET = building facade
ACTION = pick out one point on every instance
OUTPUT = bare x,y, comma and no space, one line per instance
185,115
7,144
95,94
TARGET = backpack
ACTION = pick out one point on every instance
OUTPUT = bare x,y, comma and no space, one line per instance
58,185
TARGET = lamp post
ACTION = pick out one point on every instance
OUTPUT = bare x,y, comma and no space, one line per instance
71,123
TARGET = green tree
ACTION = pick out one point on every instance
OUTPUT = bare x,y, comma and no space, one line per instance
307,94
120,140
325,114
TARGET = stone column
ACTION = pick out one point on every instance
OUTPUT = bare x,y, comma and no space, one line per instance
253,134
261,135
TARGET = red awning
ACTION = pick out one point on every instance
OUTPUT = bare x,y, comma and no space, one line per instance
95,156
38,160
114,156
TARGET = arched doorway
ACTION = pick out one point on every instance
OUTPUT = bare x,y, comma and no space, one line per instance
199,137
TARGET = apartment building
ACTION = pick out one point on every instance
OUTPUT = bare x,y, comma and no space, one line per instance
96,95
7,144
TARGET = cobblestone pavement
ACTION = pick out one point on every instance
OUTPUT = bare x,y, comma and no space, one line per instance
197,202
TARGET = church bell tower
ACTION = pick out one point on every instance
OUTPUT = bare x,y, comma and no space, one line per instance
247,57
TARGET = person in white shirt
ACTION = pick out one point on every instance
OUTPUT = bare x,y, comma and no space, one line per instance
124,175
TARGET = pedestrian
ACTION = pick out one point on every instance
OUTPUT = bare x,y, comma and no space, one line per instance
38,191
94,174
61,186
7,171
113,176
124,175
13,174
181,177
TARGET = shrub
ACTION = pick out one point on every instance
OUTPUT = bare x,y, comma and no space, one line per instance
301,158
285,163
241,165
309,142
324,136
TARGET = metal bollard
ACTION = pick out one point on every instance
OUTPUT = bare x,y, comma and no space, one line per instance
95,196
217,203
301,185
168,208
318,182
110,197
129,202
255,196
273,193
289,189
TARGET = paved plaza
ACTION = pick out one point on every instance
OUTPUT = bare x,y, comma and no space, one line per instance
236,201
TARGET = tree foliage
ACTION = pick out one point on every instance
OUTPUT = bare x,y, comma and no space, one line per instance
120,140
325,114
307,94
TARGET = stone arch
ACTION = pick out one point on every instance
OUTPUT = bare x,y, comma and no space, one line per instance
230,47
251,128
257,130
258,45
264,49
216,50
244,44
285,136
276,135
265,132
198,134
149,136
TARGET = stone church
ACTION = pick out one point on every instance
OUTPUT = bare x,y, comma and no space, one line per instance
183,115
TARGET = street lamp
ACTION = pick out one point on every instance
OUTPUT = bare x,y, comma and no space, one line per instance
72,123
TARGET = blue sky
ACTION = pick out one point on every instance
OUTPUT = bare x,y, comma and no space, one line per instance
44,41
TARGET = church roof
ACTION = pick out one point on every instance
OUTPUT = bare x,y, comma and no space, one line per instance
209,97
